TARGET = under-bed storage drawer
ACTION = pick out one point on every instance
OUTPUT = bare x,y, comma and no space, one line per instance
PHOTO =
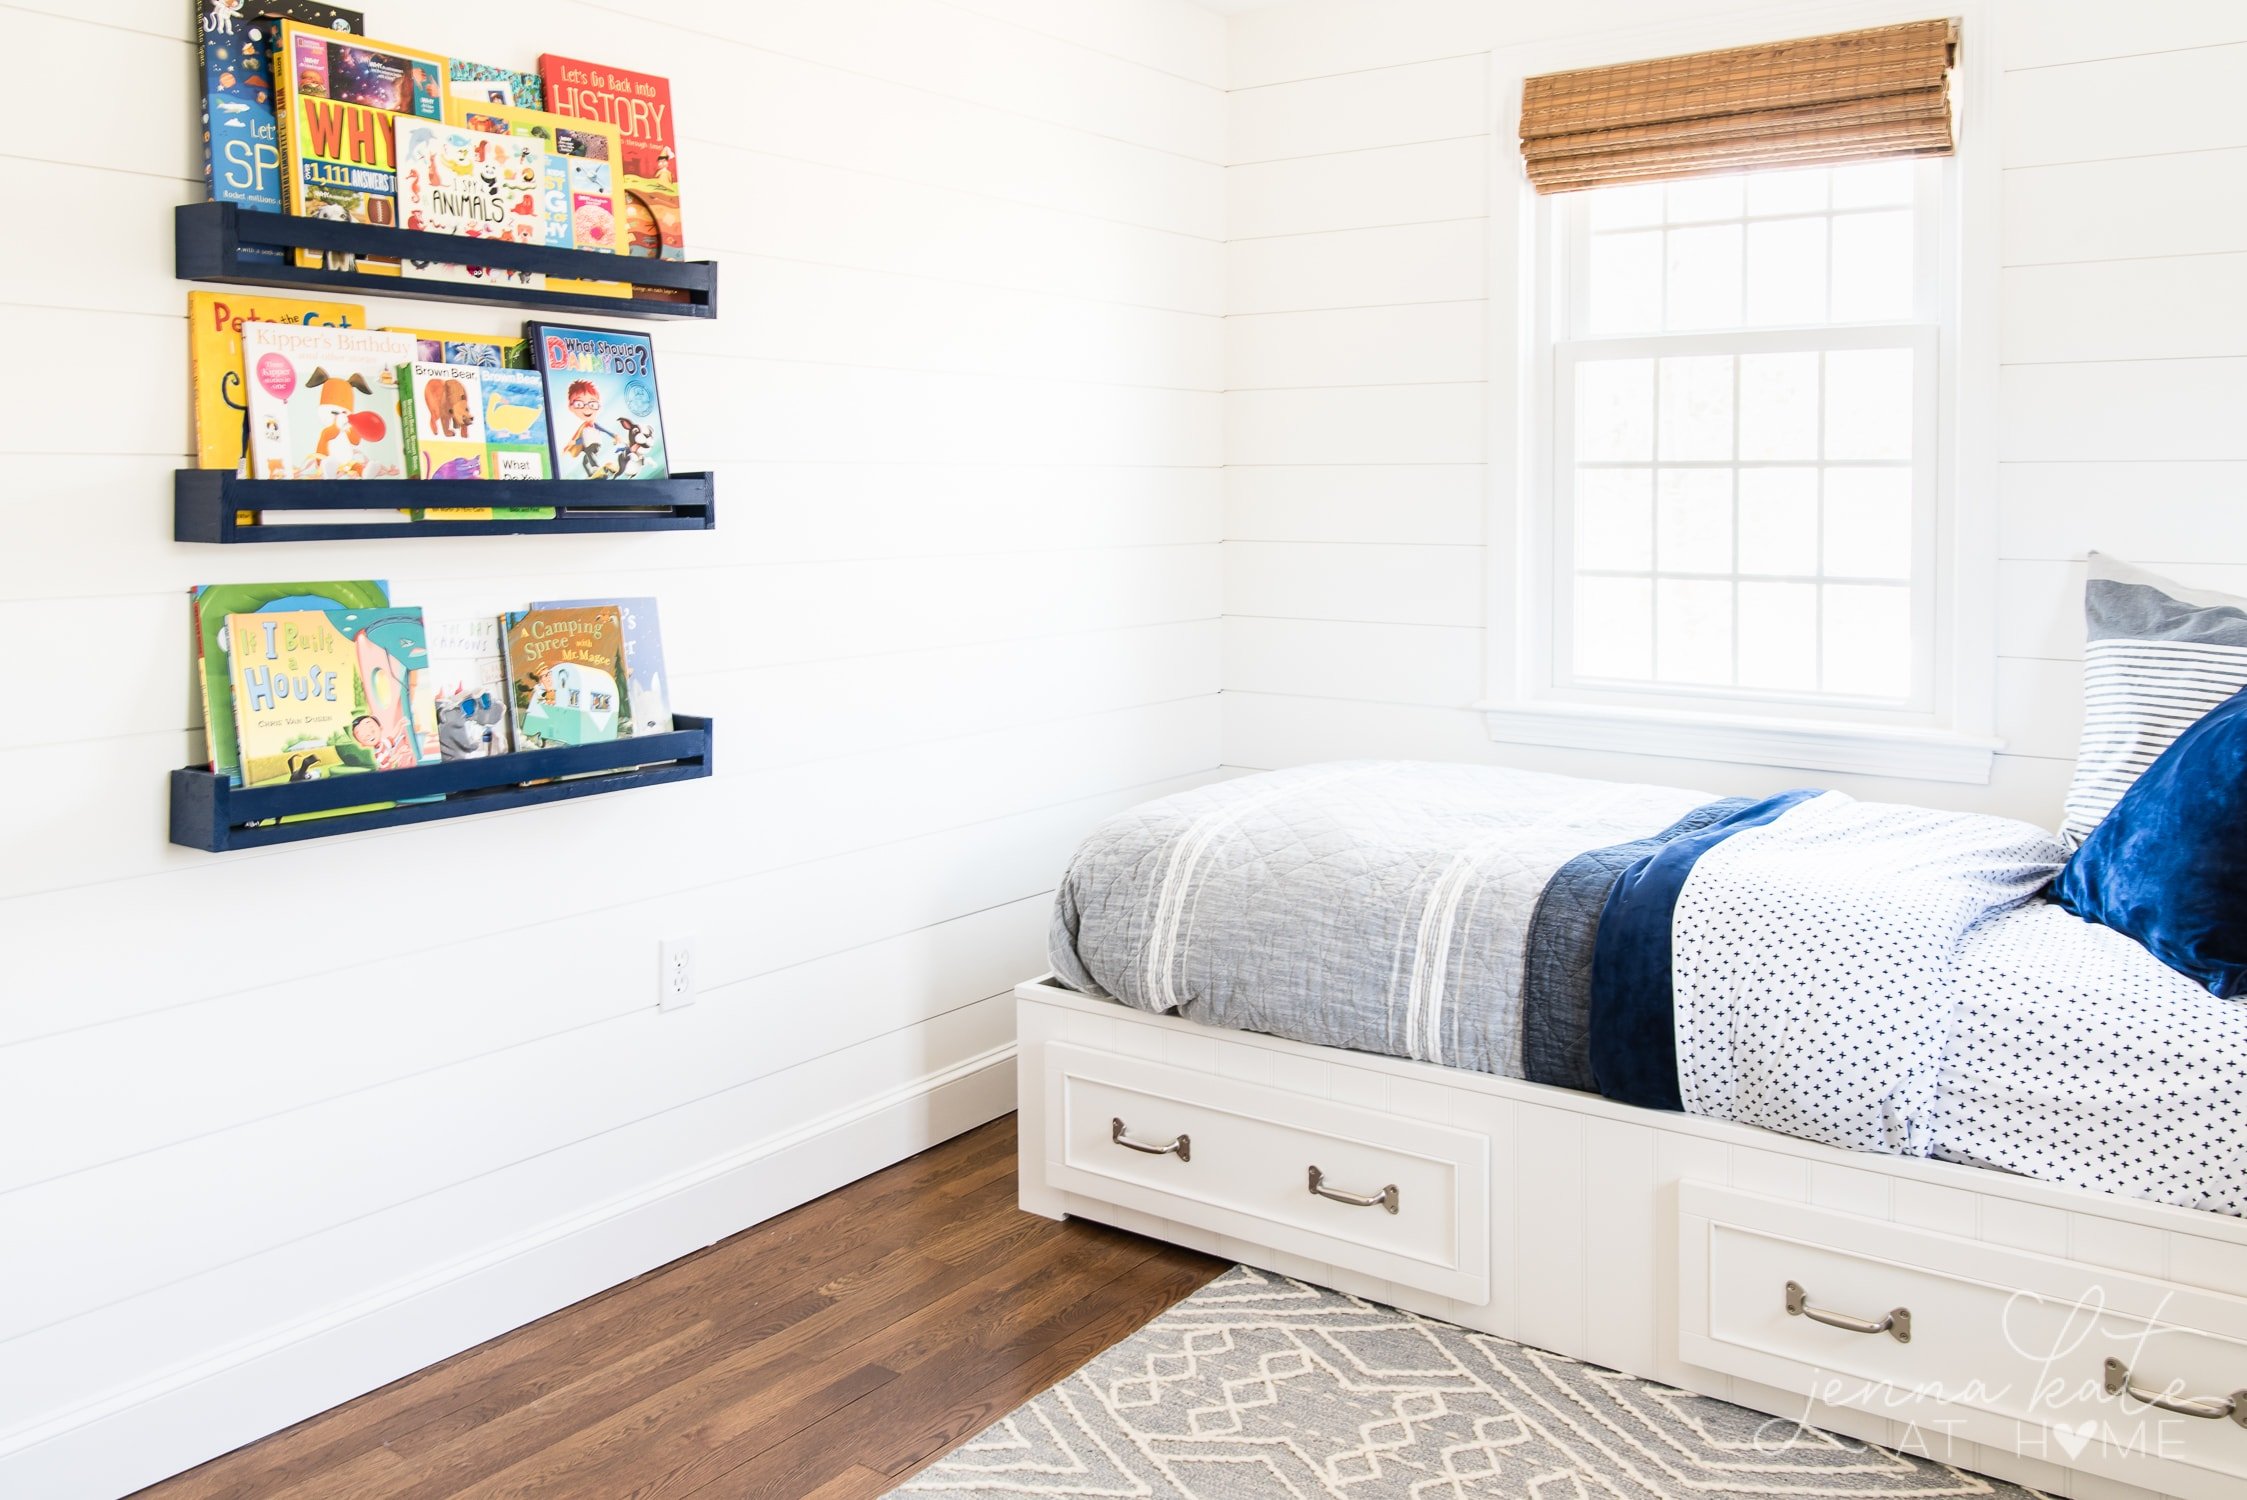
1397,1198
2032,1353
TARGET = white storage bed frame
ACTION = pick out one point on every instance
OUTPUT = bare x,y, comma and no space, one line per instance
1664,1245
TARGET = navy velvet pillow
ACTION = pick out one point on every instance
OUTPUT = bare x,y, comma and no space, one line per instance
2169,865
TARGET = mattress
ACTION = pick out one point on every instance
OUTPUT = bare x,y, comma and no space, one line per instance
1872,976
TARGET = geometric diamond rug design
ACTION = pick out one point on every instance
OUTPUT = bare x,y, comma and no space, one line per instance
1258,1386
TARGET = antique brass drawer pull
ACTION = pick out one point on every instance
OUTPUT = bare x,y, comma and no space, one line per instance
1182,1147
2211,1408
1897,1325
1387,1197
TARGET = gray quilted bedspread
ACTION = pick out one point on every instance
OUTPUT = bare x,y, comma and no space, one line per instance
1379,905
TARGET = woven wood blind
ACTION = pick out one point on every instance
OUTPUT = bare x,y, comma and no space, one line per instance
1852,96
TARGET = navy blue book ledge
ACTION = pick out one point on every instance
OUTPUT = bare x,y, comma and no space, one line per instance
205,503
208,240
210,814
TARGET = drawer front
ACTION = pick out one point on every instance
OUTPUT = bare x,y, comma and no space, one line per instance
2027,1352
1401,1199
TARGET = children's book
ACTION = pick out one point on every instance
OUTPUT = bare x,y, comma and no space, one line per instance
515,436
481,83
564,675
397,696
441,422
603,413
468,683
647,702
486,351
241,141
338,100
456,181
210,603
296,698
324,405
639,106
582,158
214,357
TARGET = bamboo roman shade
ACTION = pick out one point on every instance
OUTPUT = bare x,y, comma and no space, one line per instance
1816,101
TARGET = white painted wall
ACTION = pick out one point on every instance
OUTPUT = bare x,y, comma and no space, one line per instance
1362,150
964,600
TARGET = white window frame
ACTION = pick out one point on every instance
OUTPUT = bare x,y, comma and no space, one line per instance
1945,733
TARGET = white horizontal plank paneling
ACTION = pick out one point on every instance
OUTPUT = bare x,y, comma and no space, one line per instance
2040,706
1400,106
2127,409
1382,584
2178,307
1353,659
1420,344
2040,602
1416,424
1440,503
2140,207
1357,268
2049,33
2143,105
1169,36
1359,189
2128,510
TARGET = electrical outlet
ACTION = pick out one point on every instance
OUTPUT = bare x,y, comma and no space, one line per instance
674,975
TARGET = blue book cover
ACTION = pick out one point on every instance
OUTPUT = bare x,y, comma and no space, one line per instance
241,142
603,416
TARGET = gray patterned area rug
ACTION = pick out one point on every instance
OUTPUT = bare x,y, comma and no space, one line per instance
1258,1386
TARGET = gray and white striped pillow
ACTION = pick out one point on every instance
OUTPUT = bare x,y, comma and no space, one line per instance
2156,658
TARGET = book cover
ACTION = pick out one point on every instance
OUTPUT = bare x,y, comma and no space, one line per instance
603,412
482,83
470,183
515,435
563,671
582,157
639,106
296,698
647,702
324,405
441,423
241,139
214,359
337,101
397,723
209,604
468,683
486,351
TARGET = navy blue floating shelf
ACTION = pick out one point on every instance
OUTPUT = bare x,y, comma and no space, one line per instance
206,503
210,814
209,238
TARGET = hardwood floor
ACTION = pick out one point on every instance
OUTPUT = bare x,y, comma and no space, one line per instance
829,1352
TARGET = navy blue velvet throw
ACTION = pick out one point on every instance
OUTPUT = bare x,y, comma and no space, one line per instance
2168,866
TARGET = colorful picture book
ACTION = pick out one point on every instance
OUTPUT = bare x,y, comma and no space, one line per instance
515,427
456,181
468,683
441,421
321,692
481,83
241,141
647,703
639,106
210,604
324,404
581,184
338,100
565,675
214,356
603,412
486,351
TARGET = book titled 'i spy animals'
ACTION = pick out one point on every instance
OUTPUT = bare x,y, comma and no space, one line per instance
603,414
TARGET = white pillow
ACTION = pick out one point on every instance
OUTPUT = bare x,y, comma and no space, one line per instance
2157,656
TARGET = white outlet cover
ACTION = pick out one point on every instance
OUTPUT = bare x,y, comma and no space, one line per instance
674,975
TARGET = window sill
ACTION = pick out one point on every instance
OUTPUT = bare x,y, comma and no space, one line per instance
1802,744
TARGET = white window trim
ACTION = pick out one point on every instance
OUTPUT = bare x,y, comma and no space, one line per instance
1955,741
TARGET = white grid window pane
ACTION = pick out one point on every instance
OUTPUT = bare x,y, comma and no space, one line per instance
1779,521
1872,267
1693,520
1704,277
1787,272
1615,628
1778,406
1625,295
1867,640
1615,520
1779,636
1693,632
1869,404
1615,411
1868,523
1696,408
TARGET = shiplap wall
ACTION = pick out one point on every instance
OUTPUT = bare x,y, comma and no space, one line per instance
277,1127
1362,156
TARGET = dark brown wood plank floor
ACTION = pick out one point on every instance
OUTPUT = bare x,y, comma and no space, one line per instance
829,1352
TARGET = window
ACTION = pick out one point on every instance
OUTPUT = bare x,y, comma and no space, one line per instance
1744,399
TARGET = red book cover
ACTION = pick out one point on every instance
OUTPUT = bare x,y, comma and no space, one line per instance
639,106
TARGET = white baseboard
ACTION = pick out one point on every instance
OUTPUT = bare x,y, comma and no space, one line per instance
181,1419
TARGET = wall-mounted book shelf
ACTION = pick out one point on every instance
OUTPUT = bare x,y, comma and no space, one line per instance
210,814
206,505
209,238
